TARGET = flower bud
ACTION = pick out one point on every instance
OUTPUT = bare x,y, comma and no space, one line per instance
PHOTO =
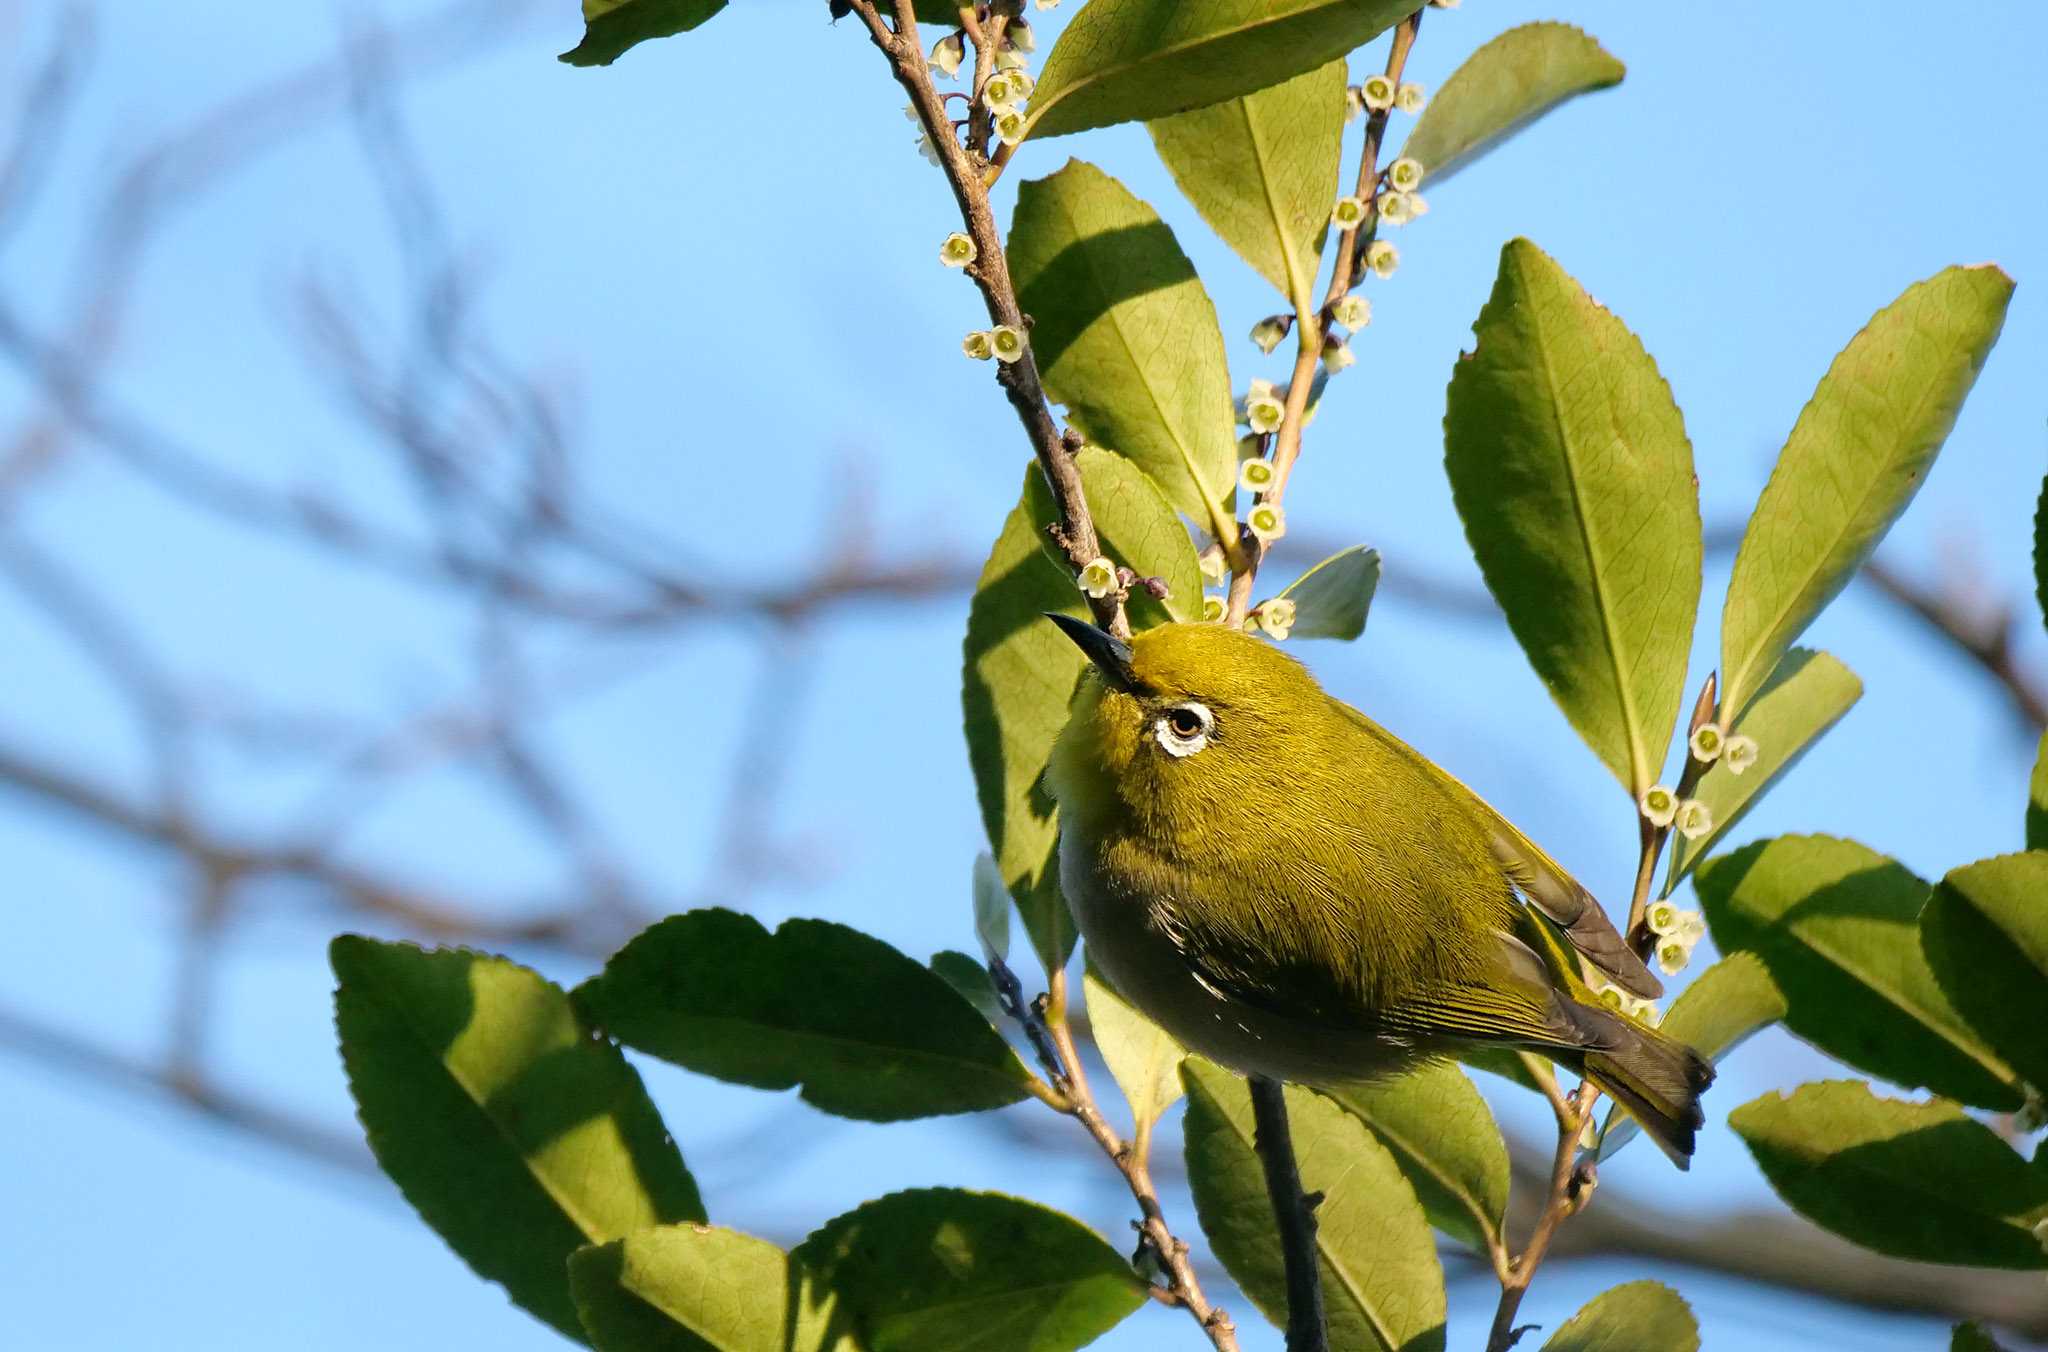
1382,257
1354,103
1705,743
1276,617
1019,35
1659,804
1268,332
1354,312
1409,98
977,345
958,251
1098,578
1738,753
1214,566
1256,476
1405,174
1348,213
947,54
1336,354
1006,343
1377,92
1267,522
1694,819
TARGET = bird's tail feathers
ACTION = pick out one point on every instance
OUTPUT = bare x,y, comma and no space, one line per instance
1656,1078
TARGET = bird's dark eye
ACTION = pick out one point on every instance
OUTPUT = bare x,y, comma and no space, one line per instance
1185,723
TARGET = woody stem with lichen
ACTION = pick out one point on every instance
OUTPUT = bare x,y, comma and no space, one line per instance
1310,325
1075,530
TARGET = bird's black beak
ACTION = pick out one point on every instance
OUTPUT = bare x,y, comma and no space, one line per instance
1110,654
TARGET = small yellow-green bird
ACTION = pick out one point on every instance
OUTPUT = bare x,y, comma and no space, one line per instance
1291,890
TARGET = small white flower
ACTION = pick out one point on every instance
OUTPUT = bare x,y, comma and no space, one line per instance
1659,804
1045,4
1417,205
1706,743
1010,59
1692,926
958,251
1267,522
1662,917
927,149
1214,566
1021,82
1212,608
1738,753
1354,312
1268,332
1258,388
1646,1011
1397,208
1348,213
1336,354
910,112
1694,819
1409,98
1405,174
947,53
998,93
1010,127
977,345
1673,952
1256,476
1019,35
1382,257
1276,617
1377,93
1006,342
1098,578
1354,103
1263,411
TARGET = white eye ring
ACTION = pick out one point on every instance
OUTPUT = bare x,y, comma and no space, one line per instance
1178,743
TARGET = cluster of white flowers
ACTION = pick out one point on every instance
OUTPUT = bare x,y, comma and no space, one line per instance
1004,343
1709,744
1622,1002
1663,807
1379,94
1678,932
1005,88
1275,617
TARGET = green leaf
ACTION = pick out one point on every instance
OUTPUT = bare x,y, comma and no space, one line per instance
1142,1056
2037,800
867,1032
1125,336
1985,931
1837,924
2041,550
971,980
1502,88
1137,60
946,1268
1807,694
1723,1007
516,1135
697,1288
1382,1285
1446,1143
991,907
1972,1337
610,27
1020,671
1262,171
1923,1181
1571,470
1636,1317
1855,458
1332,598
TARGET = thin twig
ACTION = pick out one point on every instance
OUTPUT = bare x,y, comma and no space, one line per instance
1294,1212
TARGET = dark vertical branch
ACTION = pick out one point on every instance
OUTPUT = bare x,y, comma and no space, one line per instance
1295,1212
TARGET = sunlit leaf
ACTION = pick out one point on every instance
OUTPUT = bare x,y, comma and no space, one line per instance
1142,1056
698,1288
1637,1317
1445,1141
610,27
1331,599
1503,87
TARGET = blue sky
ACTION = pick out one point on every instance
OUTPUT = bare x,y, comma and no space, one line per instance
725,247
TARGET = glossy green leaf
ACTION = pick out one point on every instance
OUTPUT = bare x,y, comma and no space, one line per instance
1807,694
516,1135
947,1268
1125,336
2037,800
1137,60
698,1288
610,27
1502,88
1020,671
1923,1181
1142,1056
1723,1007
1985,932
1636,1317
1382,1284
1445,1141
971,979
1838,926
1262,170
1972,1337
867,1032
991,907
1858,453
1331,599
1570,468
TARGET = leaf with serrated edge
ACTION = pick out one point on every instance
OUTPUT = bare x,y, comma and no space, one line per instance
1985,933
1142,1057
1636,1317
700,1288
1331,599
867,1032
1125,336
517,1136
1262,171
1020,671
1136,60
1923,1181
612,27
1444,1138
1837,924
1502,88
1382,1283
1806,695
1858,453
1572,473
1724,1007
947,1268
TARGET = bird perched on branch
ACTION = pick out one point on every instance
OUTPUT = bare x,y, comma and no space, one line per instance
1291,890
